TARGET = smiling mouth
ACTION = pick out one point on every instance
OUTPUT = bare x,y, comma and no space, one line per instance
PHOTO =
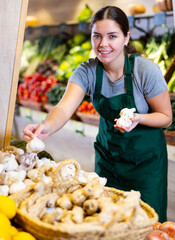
105,52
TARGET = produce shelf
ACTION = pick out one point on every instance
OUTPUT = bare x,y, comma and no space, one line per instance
170,137
88,118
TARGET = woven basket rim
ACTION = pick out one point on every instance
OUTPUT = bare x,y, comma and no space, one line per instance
34,225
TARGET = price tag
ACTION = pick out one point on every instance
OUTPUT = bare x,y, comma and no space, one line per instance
43,116
28,113
131,21
79,128
159,19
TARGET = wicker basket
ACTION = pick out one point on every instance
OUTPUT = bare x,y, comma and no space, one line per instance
32,105
88,118
119,231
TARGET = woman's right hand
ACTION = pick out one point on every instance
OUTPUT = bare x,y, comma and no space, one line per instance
41,131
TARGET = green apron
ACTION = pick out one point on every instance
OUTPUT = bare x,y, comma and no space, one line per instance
135,160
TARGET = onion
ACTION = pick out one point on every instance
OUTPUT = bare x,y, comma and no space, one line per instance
169,228
156,226
157,235
136,8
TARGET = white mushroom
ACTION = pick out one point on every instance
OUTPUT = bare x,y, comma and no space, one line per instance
15,187
4,190
125,117
35,145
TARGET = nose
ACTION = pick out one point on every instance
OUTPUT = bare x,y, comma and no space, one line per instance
103,42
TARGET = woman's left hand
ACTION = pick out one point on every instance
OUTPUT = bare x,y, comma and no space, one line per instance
135,120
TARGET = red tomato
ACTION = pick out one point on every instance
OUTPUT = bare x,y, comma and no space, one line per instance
90,106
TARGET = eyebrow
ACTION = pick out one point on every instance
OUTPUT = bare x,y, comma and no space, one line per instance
108,33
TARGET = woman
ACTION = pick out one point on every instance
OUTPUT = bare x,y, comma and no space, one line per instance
130,158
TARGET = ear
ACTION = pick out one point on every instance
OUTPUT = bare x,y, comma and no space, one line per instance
127,38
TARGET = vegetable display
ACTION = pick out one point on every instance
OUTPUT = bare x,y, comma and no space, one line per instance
35,87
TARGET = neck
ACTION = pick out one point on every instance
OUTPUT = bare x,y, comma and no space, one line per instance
115,70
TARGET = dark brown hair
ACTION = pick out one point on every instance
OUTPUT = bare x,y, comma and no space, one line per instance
117,15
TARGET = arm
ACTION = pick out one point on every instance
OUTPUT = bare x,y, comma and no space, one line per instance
58,117
160,116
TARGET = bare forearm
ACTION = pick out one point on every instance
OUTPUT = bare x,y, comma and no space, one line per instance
56,119
155,120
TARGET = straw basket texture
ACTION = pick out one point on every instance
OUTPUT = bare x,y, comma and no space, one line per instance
126,230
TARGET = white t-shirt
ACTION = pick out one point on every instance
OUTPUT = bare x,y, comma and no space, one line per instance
148,81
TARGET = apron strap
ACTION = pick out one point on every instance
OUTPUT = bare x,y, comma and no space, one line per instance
99,78
129,64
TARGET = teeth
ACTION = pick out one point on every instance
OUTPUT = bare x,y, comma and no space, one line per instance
105,52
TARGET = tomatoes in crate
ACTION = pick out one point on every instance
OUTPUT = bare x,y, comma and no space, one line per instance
87,107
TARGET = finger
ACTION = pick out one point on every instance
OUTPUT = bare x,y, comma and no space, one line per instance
28,133
38,130
27,138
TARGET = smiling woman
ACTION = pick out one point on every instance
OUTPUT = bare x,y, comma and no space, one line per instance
132,157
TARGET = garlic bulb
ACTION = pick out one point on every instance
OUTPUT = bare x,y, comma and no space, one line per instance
2,168
127,112
13,176
125,117
15,187
10,163
35,145
124,122
4,190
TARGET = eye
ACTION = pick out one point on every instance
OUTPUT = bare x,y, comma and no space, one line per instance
96,36
112,36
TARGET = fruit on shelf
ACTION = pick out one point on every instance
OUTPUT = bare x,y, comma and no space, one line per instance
136,8
85,14
164,5
31,21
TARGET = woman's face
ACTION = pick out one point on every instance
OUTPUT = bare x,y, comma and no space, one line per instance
108,40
